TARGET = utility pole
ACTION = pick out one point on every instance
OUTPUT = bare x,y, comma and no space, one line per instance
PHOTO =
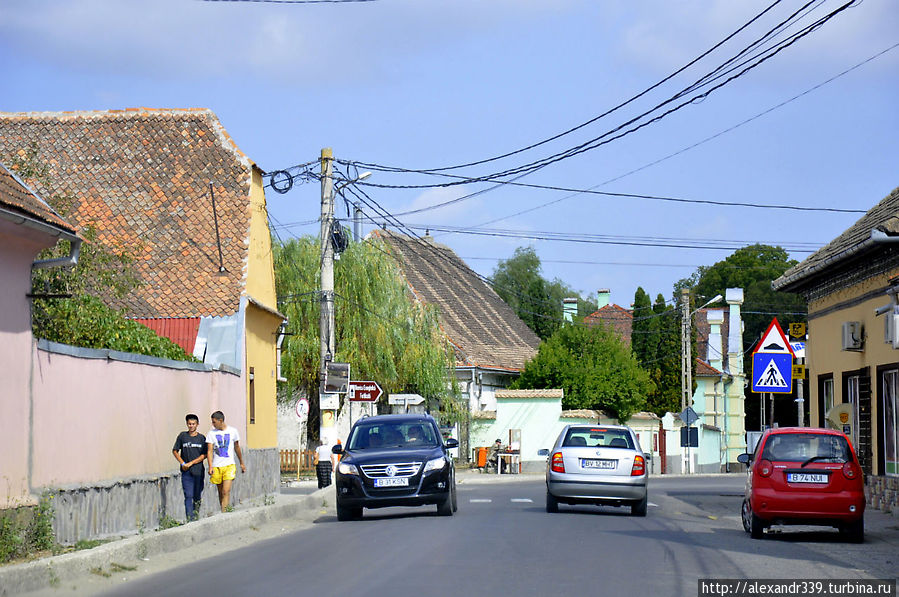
686,352
326,317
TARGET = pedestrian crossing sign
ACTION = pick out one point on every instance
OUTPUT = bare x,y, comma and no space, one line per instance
772,372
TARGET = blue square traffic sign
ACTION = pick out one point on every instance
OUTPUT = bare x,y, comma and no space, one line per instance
772,372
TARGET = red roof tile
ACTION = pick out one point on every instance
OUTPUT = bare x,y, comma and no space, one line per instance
141,177
18,198
618,319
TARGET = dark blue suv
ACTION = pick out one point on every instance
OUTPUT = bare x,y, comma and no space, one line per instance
395,460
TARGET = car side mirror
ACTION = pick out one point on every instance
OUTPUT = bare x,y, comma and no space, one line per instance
543,452
452,443
744,458
337,449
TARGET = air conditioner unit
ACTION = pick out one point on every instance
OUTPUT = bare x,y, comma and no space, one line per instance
852,335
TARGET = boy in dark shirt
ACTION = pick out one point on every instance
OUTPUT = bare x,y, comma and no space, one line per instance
190,451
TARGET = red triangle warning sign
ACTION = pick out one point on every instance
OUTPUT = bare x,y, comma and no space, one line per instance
774,340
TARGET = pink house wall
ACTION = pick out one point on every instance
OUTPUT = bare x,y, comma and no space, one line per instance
19,246
96,420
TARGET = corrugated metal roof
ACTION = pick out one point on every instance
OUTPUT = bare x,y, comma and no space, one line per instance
180,330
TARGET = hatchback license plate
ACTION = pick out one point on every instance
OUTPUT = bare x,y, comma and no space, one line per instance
806,478
392,482
600,463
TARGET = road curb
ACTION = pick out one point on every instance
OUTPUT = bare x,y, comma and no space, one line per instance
53,570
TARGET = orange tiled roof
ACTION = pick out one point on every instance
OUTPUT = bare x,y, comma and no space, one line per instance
141,177
616,318
16,197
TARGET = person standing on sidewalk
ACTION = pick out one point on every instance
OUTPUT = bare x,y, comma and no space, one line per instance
190,451
322,462
223,443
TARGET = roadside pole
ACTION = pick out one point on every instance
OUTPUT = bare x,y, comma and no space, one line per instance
326,316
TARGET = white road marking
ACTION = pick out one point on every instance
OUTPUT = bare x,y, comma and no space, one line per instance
522,500
480,501
653,505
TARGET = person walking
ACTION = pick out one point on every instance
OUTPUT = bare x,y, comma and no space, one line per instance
223,443
190,451
323,465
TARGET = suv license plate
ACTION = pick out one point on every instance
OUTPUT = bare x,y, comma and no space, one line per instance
806,478
392,482
599,463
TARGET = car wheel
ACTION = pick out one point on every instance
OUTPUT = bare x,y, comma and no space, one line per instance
745,515
345,513
638,508
445,507
855,531
552,504
756,526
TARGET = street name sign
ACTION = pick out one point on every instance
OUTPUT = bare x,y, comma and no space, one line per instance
364,391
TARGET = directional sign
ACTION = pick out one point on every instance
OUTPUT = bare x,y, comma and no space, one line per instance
364,391
772,372
774,340
405,399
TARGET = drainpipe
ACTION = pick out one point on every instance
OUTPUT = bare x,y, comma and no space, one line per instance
70,261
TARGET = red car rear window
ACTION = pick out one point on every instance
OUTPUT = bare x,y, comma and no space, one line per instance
799,447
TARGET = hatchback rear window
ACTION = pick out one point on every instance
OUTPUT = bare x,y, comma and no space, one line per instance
800,447
598,438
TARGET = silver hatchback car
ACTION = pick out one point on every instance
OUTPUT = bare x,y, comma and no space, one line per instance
596,464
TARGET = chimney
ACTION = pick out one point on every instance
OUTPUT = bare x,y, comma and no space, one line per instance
714,348
602,297
569,309
734,298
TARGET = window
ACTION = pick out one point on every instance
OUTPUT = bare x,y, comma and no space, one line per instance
890,405
825,398
852,396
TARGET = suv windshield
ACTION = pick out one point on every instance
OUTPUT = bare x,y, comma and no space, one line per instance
411,434
595,437
800,447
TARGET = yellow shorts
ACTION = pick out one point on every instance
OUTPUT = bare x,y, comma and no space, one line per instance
223,473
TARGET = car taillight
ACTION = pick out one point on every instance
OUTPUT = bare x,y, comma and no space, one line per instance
639,467
850,471
558,466
766,467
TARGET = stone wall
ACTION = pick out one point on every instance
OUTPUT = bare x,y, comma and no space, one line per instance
127,506
882,493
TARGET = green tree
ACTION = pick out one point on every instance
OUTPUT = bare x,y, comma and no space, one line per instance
75,314
536,300
594,368
380,330
665,363
642,340
753,268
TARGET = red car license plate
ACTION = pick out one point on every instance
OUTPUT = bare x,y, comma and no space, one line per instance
806,478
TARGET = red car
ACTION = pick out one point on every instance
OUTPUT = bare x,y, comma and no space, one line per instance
807,476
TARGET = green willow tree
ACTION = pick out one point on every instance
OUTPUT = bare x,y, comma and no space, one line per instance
594,368
379,329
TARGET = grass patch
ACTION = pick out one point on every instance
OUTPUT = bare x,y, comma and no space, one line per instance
88,544
100,572
25,531
122,567
167,522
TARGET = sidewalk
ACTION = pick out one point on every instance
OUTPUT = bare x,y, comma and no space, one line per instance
58,570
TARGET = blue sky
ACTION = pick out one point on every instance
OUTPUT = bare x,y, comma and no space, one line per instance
420,84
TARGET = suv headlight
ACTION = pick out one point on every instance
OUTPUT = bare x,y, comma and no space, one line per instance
436,464
345,468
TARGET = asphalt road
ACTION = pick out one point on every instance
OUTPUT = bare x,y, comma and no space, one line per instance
502,542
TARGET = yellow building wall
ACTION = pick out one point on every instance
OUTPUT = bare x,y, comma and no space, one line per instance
261,326
824,352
